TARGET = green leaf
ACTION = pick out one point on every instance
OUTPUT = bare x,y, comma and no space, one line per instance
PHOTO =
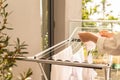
9,28
5,5
18,41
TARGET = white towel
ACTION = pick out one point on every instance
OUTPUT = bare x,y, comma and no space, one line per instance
71,73
77,71
91,73
90,45
62,72
80,73
79,55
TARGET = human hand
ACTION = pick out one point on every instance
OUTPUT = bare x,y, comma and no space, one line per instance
87,36
105,33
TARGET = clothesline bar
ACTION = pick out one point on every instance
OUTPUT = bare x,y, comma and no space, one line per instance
43,52
64,63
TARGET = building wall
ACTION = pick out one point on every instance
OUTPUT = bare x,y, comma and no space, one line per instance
59,17
25,19
72,12
64,11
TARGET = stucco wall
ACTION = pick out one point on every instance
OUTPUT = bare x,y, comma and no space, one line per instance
25,19
72,12
64,11
59,17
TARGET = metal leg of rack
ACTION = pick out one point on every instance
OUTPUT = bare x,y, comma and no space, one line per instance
107,73
41,68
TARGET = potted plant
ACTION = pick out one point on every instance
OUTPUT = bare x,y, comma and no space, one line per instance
9,51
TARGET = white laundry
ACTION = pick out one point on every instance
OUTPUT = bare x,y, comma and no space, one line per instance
62,72
71,73
91,73
90,58
77,71
90,45
79,55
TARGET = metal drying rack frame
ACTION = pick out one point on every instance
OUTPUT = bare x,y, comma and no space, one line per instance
39,57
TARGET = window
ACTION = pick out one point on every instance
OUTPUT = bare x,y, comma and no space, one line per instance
46,13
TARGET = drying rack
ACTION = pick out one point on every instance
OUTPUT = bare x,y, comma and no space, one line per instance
46,58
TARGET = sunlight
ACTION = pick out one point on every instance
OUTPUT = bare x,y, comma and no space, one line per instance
116,28
114,7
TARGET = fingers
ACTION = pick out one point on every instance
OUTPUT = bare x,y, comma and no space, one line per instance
105,33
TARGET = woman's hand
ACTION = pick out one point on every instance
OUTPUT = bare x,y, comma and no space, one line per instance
107,34
88,36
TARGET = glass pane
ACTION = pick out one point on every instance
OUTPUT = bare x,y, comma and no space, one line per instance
44,24
44,12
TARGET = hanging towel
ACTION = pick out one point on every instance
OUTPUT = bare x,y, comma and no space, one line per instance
79,55
91,73
77,71
90,45
59,72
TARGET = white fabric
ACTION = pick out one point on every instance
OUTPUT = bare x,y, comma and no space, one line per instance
90,45
90,58
109,45
71,73
62,72
91,73
77,71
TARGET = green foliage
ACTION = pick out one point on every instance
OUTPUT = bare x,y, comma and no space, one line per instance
26,75
45,41
86,13
8,51
99,8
